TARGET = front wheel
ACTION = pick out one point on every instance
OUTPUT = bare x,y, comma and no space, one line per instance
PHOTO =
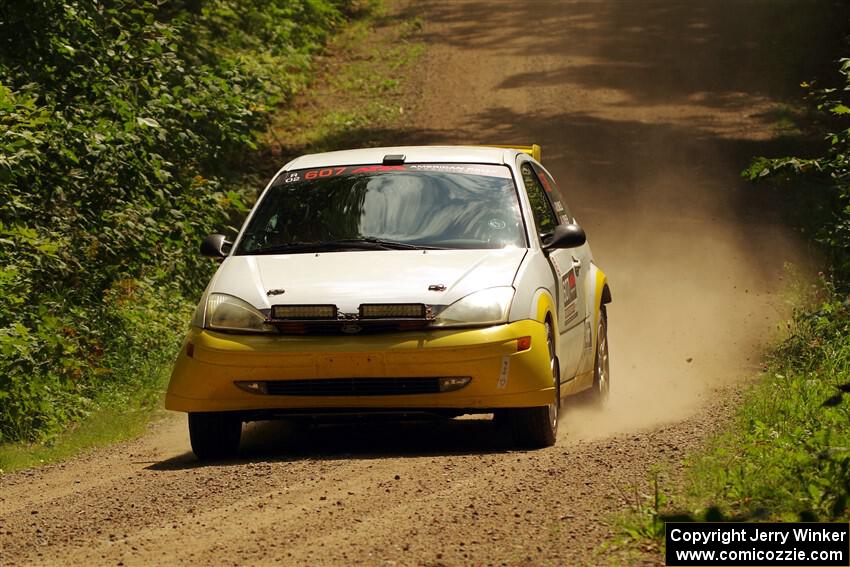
538,427
214,435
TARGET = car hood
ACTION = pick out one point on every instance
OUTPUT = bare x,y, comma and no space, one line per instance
348,279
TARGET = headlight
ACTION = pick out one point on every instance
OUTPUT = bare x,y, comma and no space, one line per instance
229,313
485,307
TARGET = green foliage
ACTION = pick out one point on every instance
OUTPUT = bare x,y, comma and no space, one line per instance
794,457
827,174
119,124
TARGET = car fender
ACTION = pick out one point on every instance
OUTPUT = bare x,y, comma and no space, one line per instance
534,283
544,305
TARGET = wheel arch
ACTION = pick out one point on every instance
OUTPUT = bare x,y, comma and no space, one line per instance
546,310
602,296
606,294
545,307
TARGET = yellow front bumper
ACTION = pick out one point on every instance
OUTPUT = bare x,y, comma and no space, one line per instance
501,376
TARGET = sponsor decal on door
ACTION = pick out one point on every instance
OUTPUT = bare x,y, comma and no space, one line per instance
570,296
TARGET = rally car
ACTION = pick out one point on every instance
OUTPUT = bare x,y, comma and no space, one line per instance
406,281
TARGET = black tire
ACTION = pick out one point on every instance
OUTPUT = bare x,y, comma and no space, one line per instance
214,435
601,389
538,427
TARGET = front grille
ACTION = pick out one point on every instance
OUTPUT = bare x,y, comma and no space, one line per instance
353,387
350,327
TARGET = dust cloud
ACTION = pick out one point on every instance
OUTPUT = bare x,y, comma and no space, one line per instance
647,113
695,303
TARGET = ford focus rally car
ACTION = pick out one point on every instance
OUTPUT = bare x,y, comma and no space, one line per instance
407,280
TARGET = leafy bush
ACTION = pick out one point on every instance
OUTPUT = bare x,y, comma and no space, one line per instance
828,175
121,123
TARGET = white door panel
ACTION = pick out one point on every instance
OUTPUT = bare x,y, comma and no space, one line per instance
571,313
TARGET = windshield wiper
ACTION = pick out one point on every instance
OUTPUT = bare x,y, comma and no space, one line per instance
391,244
364,243
301,247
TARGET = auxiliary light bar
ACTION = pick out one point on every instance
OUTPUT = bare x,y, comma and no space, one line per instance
304,312
392,311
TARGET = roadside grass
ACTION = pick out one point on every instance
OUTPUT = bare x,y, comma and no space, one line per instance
785,456
114,421
360,90
358,86
131,377
788,454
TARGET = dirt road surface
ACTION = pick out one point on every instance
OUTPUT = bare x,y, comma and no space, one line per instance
646,111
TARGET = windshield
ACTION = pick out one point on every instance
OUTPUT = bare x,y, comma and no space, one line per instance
408,206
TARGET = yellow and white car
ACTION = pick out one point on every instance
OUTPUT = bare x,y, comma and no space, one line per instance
406,280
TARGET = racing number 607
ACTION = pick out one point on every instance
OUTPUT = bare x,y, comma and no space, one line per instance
313,174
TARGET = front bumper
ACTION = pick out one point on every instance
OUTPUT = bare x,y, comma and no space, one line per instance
501,376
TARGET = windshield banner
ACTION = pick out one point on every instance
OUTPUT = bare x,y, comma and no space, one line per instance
461,168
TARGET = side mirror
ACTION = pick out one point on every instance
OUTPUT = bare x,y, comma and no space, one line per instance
213,246
566,236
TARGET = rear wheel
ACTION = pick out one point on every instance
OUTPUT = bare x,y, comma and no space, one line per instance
214,435
538,427
601,389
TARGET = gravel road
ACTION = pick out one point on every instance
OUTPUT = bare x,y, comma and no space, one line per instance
646,111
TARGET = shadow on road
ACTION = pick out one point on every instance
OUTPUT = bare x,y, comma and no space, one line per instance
288,441
280,441
657,52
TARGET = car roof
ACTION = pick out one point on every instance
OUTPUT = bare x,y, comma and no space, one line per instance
413,154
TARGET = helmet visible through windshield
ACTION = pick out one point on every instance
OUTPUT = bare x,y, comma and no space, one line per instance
409,206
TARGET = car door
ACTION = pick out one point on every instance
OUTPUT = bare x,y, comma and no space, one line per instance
564,262
581,258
